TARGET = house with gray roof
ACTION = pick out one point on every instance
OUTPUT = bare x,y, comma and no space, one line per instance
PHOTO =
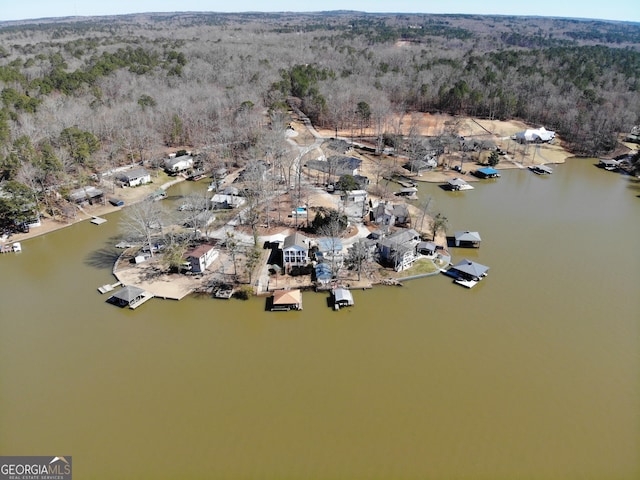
389,215
399,249
135,177
221,201
295,250
178,164
86,194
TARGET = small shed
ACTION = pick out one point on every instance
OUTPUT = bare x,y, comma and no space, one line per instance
427,248
285,300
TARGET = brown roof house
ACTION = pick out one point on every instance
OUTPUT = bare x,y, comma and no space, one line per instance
201,257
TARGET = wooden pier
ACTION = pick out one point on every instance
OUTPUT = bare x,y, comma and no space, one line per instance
109,287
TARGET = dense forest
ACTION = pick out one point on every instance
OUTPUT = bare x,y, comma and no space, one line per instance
83,95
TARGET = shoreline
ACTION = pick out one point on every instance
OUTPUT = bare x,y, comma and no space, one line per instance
130,195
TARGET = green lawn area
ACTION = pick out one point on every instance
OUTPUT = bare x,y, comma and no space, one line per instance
420,267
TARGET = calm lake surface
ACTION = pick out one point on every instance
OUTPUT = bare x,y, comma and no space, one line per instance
533,374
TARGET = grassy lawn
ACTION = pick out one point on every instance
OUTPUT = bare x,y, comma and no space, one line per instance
420,267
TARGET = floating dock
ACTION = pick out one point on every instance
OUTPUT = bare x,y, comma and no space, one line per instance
225,292
13,248
98,220
109,287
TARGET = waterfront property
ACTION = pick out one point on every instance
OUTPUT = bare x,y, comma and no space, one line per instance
342,298
458,184
295,250
388,214
535,135
467,239
541,169
323,275
467,273
487,172
201,257
130,296
285,300
178,164
86,195
134,177
399,249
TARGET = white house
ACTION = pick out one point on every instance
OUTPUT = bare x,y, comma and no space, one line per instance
135,177
178,164
295,250
538,135
221,201
355,196
201,257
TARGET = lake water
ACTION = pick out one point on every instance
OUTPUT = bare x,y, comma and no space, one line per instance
534,373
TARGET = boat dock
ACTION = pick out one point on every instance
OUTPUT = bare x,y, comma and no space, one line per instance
12,248
223,291
98,220
145,296
109,287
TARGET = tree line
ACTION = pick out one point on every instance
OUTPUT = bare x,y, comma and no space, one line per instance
79,97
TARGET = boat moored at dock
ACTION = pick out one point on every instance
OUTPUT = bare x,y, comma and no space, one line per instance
342,297
541,169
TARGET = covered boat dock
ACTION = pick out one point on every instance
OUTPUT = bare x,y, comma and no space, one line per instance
342,298
285,300
487,172
467,273
130,296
